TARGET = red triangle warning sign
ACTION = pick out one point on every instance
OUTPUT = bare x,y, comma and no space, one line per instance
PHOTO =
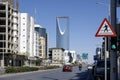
105,29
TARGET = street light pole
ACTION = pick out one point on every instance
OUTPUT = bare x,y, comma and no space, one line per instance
113,54
106,45
107,5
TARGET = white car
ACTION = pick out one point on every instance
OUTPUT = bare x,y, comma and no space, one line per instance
89,67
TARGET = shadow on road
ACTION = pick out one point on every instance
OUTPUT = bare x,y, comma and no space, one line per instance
50,78
86,75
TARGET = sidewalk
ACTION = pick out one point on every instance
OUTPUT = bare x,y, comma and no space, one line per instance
2,70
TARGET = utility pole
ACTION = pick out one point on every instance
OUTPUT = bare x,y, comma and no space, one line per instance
113,53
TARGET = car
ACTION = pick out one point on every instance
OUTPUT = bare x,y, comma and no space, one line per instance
89,67
67,67
99,70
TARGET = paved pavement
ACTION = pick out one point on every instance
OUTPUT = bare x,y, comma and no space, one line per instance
2,70
52,74
21,73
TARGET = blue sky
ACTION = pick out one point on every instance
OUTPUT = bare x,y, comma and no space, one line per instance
85,17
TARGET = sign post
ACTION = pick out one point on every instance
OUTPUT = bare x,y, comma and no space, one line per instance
105,30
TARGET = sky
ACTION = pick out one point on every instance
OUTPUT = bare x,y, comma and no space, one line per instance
85,17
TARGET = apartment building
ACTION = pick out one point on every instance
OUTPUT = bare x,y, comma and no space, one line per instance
26,41
8,32
57,55
21,41
24,33
42,41
36,44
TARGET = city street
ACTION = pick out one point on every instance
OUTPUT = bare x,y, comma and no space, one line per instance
55,74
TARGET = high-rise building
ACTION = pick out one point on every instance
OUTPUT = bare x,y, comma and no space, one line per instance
42,41
26,33
36,44
8,31
62,36
28,39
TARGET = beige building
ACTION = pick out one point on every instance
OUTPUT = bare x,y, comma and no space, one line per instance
42,47
42,41
56,55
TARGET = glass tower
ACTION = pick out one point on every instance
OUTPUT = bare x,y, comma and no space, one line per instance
62,36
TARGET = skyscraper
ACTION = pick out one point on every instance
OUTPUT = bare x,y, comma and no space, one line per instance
43,41
62,36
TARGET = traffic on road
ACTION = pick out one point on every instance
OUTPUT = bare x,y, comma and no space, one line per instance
54,74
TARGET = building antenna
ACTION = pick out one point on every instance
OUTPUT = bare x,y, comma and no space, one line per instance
35,12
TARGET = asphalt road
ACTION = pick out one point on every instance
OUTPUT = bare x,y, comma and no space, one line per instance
55,74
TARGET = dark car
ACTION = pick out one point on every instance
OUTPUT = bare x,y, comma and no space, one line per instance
99,70
67,67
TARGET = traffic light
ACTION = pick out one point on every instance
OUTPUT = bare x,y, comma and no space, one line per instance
107,44
118,42
114,43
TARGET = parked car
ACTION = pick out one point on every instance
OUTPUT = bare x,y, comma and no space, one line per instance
67,67
99,70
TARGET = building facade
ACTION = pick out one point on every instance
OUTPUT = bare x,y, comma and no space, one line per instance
43,41
62,36
8,31
26,33
36,44
70,56
21,41
56,55
29,39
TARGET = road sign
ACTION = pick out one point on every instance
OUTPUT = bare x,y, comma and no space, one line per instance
105,29
85,56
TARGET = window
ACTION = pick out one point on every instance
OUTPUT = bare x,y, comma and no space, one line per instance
23,23
40,54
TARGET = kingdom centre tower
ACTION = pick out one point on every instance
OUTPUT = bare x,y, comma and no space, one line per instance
62,35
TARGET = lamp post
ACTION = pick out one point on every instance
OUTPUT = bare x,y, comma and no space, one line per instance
109,18
107,5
